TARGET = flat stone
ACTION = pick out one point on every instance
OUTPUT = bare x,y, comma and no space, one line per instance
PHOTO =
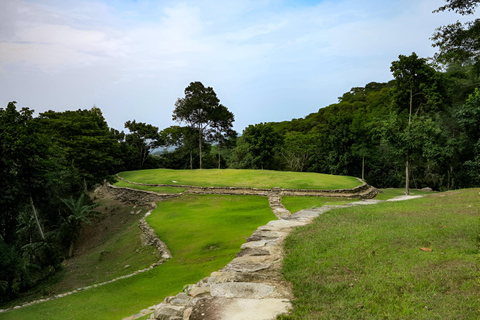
239,309
402,198
196,291
179,302
253,252
366,202
284,224
254,244
164,312
265,235
249,263
183,296
241,290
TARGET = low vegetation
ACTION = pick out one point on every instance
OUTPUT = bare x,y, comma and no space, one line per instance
204,232
242,178
415,259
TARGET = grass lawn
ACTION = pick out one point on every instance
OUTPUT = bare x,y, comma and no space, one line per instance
204,232
365,262
242,178
294,204
149,188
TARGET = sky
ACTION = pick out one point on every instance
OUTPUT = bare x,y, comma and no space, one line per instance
267,60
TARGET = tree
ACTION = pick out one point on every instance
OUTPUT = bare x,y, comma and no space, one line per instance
183,139
415,83
468,117
197,110
85,138
257,147
143,137
78,212
222,124
459,42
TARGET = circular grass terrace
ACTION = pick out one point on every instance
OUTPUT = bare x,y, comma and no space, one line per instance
241,178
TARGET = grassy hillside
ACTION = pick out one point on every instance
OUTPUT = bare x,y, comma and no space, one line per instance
241,178
366,263
204,232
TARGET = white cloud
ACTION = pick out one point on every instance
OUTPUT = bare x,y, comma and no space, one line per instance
266,61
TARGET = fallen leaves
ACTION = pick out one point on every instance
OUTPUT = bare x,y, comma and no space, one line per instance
426,249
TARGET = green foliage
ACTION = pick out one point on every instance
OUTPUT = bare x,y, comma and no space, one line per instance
78,212
257,147
459,42
143,138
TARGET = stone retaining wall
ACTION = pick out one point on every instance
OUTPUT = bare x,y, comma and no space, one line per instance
138,197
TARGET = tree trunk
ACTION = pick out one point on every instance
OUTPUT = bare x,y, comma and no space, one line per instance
411,105
191,160
219,156
200,145
407,181
70,249
36,219
363,168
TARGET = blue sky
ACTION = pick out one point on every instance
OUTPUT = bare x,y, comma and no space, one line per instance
267,60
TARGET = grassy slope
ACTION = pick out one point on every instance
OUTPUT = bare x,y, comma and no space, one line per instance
106,246
242,178
366,263
221,223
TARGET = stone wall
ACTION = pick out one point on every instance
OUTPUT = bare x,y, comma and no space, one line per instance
139,198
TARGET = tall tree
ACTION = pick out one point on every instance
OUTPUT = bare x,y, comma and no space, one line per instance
415,87
222,124
196,109
459,42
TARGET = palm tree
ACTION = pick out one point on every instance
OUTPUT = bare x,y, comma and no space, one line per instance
71,225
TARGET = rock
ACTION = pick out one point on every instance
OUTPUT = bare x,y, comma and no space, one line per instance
182,296
241,290
166,311
179,302
248,264
219,308
196,291
187,313
252,252
426,189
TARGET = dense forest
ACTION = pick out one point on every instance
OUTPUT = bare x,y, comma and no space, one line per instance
420,129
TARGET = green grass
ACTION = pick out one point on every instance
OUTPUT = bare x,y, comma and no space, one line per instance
150,188
365,262
204,232
294,204
386,194
242,178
